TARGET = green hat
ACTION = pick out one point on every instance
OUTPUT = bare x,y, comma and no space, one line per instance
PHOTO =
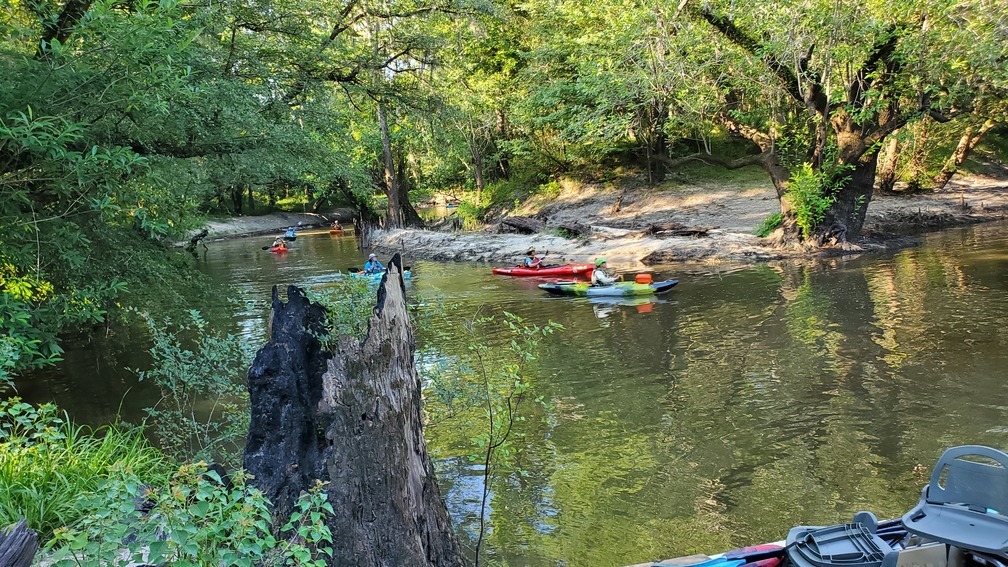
599,262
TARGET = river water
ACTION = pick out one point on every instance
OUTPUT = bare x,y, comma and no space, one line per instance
744,402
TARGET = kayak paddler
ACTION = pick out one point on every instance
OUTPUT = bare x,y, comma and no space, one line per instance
373,266
599,276
531,260
279,242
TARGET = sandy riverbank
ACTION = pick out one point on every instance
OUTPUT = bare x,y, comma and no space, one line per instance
274,223
733,209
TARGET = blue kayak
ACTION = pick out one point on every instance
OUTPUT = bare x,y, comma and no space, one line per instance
377,276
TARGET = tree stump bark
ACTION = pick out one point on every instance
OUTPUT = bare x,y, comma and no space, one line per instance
351,418
18,545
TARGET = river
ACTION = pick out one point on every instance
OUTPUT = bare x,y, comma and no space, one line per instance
746,401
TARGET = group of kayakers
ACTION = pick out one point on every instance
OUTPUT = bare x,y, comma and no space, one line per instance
599,276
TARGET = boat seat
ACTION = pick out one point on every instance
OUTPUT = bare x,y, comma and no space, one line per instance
966,502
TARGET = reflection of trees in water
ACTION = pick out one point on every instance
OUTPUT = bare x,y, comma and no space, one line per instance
761,399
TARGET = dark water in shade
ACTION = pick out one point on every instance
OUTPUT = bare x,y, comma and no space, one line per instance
744,402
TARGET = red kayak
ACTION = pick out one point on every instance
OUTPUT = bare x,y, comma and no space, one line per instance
548,272
279,250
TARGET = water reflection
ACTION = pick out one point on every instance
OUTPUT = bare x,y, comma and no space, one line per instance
742,403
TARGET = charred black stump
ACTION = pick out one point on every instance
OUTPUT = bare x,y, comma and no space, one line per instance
352,418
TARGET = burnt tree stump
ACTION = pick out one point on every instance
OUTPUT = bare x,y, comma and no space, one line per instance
18,545
351,418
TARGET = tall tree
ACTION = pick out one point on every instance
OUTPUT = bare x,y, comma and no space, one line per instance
847,77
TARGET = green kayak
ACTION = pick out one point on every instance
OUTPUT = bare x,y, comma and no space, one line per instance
618,289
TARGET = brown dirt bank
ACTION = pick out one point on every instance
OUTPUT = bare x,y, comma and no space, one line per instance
734,208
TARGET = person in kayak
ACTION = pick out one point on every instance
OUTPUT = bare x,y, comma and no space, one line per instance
279,242
337,226
373,266
599,275
531,260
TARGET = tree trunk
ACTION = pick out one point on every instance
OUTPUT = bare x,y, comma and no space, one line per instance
351,418
409,215
503,133
237,198
845,218
958,157
63,27
478,174
917,161
394,218
251,200
887,177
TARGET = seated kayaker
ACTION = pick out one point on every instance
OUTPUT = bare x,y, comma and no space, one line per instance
337,226
599,275
373,266
278,242
531,260
291,233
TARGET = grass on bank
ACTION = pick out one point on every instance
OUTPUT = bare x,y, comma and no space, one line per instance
100,497
48,464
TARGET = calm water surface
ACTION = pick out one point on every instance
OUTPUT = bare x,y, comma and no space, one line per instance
744,402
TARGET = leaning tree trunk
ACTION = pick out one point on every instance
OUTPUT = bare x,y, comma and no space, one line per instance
887,176
350,418
967,142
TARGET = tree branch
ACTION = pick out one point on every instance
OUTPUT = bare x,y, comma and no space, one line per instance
732,33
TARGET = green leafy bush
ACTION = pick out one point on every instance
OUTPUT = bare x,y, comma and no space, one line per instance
812,192
195,520
348,304
203,411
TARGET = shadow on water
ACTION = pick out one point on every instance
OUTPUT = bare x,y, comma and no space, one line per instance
738,405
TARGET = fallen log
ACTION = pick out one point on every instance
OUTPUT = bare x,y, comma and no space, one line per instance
349,416
523,225
574,229
18,545
676,229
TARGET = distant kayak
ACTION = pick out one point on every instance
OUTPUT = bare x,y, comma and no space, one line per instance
376,277
278,249
550,272
334,232
618,289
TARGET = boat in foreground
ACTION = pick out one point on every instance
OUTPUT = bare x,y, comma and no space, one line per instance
959,521
547,272
618,289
